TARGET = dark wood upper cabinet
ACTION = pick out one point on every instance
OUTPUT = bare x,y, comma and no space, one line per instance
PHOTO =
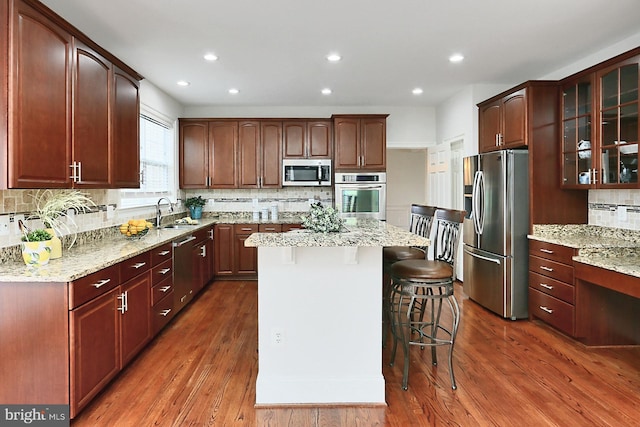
223,147
92,92
193,154
71,114
126,131
270,162
306,139
249,154
39,94
502,122
360,142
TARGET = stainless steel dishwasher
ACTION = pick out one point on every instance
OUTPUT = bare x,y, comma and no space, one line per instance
182,272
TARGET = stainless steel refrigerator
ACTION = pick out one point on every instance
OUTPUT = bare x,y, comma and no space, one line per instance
495,257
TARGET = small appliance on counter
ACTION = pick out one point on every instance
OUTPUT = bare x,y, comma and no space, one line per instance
361,195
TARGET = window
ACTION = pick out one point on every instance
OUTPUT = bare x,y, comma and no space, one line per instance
157,175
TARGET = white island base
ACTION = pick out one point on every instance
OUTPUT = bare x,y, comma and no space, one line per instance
319,326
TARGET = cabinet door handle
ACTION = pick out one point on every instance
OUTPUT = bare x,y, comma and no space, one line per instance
123,299
79,172
74,172
166,312
497,140
164,271
164,288
163,253
101,283
544,285
542,267
211,234
203,251
139,265
546,251
548,310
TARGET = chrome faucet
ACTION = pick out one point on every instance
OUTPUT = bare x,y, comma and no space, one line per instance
159,212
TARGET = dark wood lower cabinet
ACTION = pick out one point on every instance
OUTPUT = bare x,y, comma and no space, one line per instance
135,319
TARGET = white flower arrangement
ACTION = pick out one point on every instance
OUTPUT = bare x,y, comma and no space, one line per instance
322,219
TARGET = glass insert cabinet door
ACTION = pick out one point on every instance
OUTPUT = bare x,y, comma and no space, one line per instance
578,168
618,120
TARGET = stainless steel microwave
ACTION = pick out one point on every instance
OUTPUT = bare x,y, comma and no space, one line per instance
306,172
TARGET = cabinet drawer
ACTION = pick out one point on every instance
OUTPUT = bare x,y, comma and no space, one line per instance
289,227
245,228
162,272
95,284
559,253
557,313
553,269
553,287
161,290
162,313
134,266
161,253
270,228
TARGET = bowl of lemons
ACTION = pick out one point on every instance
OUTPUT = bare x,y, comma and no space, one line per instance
135,228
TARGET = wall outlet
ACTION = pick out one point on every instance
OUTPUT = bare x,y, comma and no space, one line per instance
110,211
4,225
277,336
622,213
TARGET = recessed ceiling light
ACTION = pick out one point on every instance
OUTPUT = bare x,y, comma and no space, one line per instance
183,83
417,91
210,57
456,57
233,91
326,91
333,57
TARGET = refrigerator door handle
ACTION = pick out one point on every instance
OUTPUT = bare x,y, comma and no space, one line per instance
474,199
480,203
497,261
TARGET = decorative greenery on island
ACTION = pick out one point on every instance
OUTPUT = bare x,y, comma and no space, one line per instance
322,219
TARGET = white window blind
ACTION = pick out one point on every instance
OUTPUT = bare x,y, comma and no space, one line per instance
157,177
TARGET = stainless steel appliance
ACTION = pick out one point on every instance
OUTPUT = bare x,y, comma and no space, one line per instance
361,195
306,172
183,271
496,259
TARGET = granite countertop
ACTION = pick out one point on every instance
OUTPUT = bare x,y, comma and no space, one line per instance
86,258
613,249
361,233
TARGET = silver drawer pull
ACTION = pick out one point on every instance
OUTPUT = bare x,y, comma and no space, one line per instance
542,267
546,251
165,313
548,310
101,283
164,271
164,288
139,265
544,285
163,253
246,229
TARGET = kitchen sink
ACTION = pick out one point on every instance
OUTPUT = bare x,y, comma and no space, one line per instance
187,226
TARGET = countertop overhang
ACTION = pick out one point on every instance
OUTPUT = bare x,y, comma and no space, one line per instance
358,233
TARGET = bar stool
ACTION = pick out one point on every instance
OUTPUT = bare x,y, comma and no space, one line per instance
421,284
420,224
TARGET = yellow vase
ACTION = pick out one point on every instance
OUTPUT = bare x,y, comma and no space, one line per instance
36,253
56,244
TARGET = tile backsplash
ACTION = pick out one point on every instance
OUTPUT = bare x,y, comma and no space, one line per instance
615,208
18,204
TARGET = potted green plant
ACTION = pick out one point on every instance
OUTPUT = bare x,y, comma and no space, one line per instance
195,205
52,208
36,247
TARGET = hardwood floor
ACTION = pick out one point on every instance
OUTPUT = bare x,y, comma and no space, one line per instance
201,371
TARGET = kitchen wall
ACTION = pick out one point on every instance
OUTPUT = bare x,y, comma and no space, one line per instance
406,183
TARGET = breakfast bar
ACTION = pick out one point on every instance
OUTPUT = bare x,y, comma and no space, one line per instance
320,313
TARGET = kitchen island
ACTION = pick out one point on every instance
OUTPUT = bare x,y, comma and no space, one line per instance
320,314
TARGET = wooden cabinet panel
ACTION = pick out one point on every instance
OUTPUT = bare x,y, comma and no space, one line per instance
135,322
553,311
304,139
162,312
320,139
92,92
489,126
89,287
294,140
270,154
347,140
95,344
245,258
223,145
551,269
270,228
193,156
223,253
125,131
161,254
249,154
39,134
134,266
553,287
360,142
514,120
559,253
161,272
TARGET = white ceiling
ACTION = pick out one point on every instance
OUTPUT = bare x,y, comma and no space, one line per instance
274,51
